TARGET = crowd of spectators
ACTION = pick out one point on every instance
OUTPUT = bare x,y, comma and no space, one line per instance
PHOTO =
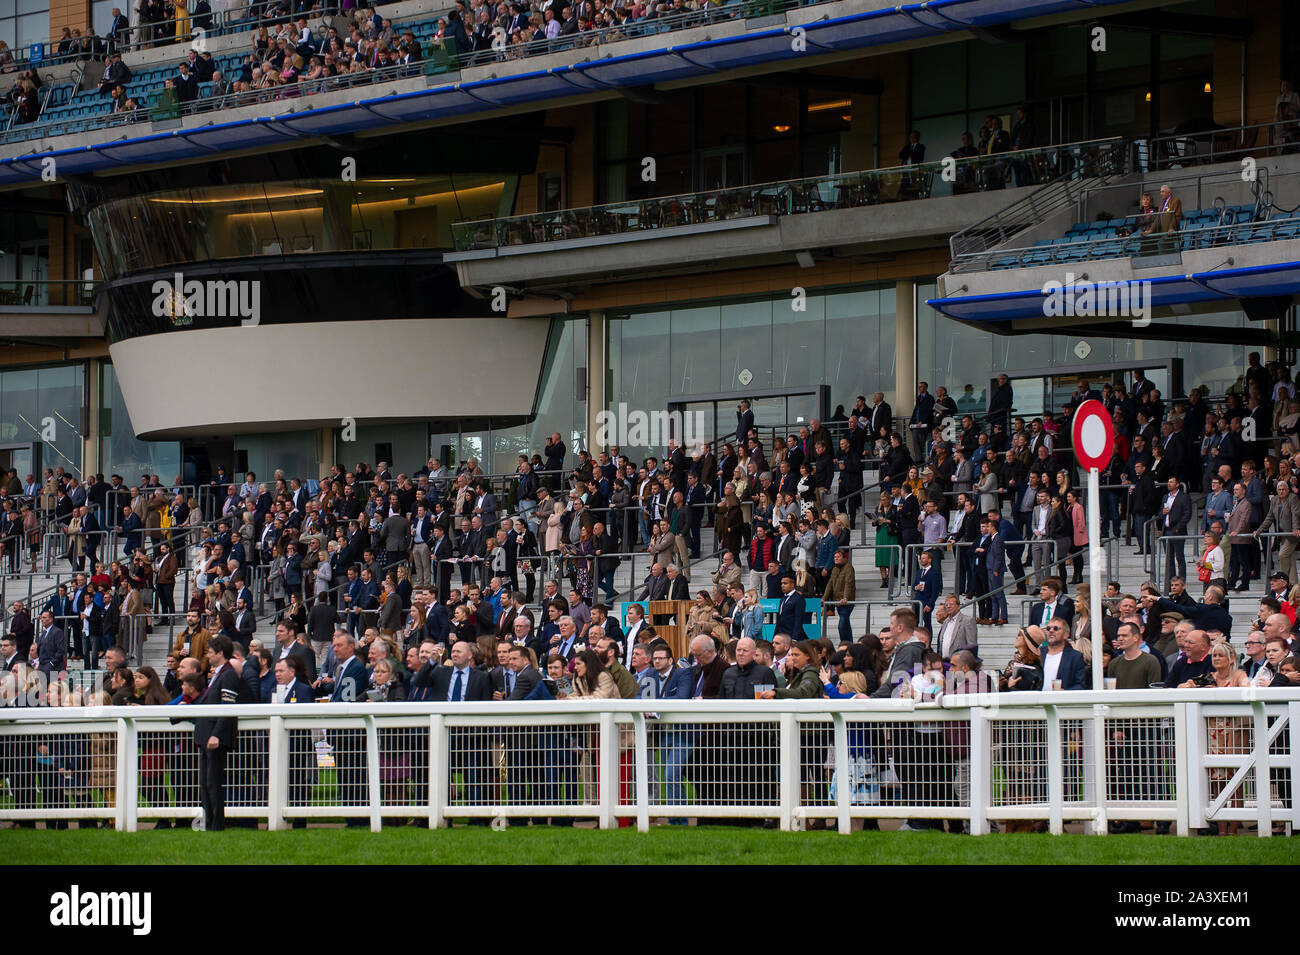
392,586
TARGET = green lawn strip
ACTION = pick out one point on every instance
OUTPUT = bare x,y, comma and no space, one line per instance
685,845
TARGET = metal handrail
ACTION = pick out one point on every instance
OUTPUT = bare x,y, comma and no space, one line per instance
765,198
1109,161
1171,151
1183,240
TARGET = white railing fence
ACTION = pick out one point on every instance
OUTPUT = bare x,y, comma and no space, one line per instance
1186,757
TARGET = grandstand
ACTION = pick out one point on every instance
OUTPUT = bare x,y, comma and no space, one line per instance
316,249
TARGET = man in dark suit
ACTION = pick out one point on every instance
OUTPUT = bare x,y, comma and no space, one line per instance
519,678
21,629
927,587
1051,605
789,616
656,584
288,647
440,551
744,422
50,649
882,417
215,737
678,588
457,683
349,686
245,623
1175,513
131,530
1061,661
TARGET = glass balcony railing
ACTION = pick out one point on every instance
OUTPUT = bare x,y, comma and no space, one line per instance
852,190
31,293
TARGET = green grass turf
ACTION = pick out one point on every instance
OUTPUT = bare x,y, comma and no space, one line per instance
662,845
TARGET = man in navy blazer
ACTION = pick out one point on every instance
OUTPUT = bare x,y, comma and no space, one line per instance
291,687
927,587
350,681
1060,660
789,617
1053,601
460,682
995,559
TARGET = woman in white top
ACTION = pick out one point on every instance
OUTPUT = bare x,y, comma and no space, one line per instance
201,558
1211,560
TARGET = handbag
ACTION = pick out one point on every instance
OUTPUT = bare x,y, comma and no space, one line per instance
1203,569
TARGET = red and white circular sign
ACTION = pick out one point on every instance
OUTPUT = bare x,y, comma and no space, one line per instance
1094,435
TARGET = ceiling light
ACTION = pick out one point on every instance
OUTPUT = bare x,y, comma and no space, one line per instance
830,104
781,129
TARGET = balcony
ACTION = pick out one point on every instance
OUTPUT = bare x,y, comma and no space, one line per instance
866,211
1238,244
742,36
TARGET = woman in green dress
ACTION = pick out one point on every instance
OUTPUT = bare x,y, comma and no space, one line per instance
887,538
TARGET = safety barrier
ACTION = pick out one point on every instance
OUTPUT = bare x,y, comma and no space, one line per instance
1184,757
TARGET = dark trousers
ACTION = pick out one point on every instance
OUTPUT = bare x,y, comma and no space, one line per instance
166,594
1015,557
985,604
212,786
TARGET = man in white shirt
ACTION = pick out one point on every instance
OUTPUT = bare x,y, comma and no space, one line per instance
1042,543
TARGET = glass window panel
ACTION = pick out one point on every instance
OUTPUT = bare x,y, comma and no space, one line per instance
798,343
33,6
746,346
856,361
1058,59
119,449
33,28
638,354
8,8
930,98
695,347
997,73
725,108
1127,59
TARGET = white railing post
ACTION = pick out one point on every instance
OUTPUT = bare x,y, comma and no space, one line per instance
1102,819
641,763
437,770
607,770
844,790
128,817
789,769
1293,727
1183,758
980,782
1055,771
372,774
1263,790
278,774
1191,774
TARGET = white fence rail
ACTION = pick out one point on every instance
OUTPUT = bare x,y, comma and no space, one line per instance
1187,757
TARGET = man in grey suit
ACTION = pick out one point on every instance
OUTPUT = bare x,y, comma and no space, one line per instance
954,630
1041,540
1283,517
396,533
656,584
50,648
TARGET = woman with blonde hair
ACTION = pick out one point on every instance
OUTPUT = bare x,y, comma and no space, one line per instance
1225,735
1081,626
554,529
